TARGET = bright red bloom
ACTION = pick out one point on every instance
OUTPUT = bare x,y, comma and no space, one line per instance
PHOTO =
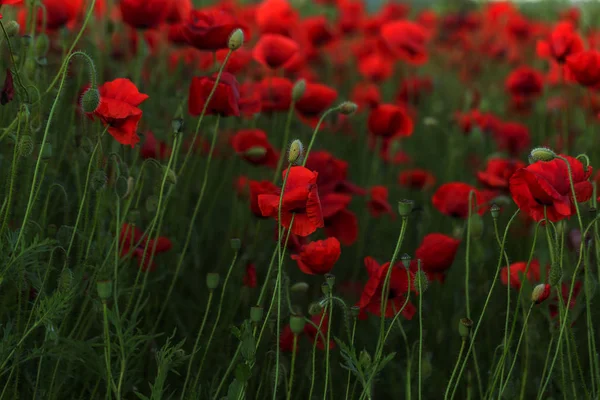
375,67
378,203
144,14
250,98
498,171
276,94
524,83
250,276
300,198
317,98
118,109
416,179
317,31
286,338
8,89
399,285
274,51
562,42
209,29
256,189
276,16
436,252
342,225
517,270
57,14
253,146
406,40
178,11
512,137
388,120
224,101
545,293
318,258
366,95
545,186
145,249
585,67
452,199
153,148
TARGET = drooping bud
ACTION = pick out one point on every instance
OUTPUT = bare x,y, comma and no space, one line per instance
297,323
405,207
464,328
256,313
347,108
12,28
25,146
405,258
236,244
542,154
236,39
555,275
212,280
298,90
296,152
315,309
104,289
90,100
540,293
171,176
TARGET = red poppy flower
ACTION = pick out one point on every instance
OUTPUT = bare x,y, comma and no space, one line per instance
276,16
8,89
416,179
399,284
378,203
317,31
131,236
224,100
343,226
286,338
562,42
317,98
412,90
238,60
250,276
366,95
209,29
118,109
56,14
516,272
388,120
250,99
452,199
585,67
565,289
274,51
253,146
318,258
351,13
512,137
498,171
545,186
300,198
153,148
524,83
436,252
276,94
178,11
375,67
333,174
144,14
256,189
406,40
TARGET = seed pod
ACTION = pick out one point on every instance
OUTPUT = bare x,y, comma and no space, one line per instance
464,328
405,207
212,280
297,323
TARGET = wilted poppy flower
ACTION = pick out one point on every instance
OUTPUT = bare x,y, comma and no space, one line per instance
378,203
416,179
544,186
318,258
436,252
250,276
286,338
144,14
256,189
517,271
452,199
118,109
209,29
585,67
317,98
134,243
224,101
300,198
498,171
562,42
274,51
276,94
406,40
253,146
388,120
399,286
153,148
512,137
8,89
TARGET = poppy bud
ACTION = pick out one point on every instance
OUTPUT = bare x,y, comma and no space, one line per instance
347,108
177,125
25,146
540,293
315,309
236,39
212,280
476,225
405,207
330,280
300,287
542,154
12,28
255,153
495,211
236,244
104,289
171,177
354,311
296,152
405,260
298,90
65,280
555,275
325,288
90,100
256,313
297,324
99,180
464,328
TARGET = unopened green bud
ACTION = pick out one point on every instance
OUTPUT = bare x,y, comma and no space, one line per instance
177,125
212,280
421,281
171,177
495,211
12,28
405,207
90,100
364,359
464,328
236,244
330,280
42,44
298,90
347,108
296,152
236,39
300,287
540,293
151,203
47,151
255,153
297,323
354,311
405,258
65,280
542,154
476,226
256,313
104,289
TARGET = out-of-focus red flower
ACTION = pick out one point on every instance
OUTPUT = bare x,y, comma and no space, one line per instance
253,146
389,120
8,89
224,101
498,172
343,225
317,98
585,67
318,258
366,95
487,122
524,84
419,179
286,338
399,284
571,14
406,40
153,148
512,137
517,271
317,31
118,109
276,16
274,51
378,203
276,94
250,276
545,186
250,101
565,289
412,90
333,174
300,198
209,29
178,11
238,60
436,252
562,42
134,243
375,67
144,14
452,199
56,14
351,13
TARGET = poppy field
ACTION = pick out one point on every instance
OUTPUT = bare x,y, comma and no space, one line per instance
299,200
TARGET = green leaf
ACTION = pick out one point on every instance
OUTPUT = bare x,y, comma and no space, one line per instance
235,390
243,373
